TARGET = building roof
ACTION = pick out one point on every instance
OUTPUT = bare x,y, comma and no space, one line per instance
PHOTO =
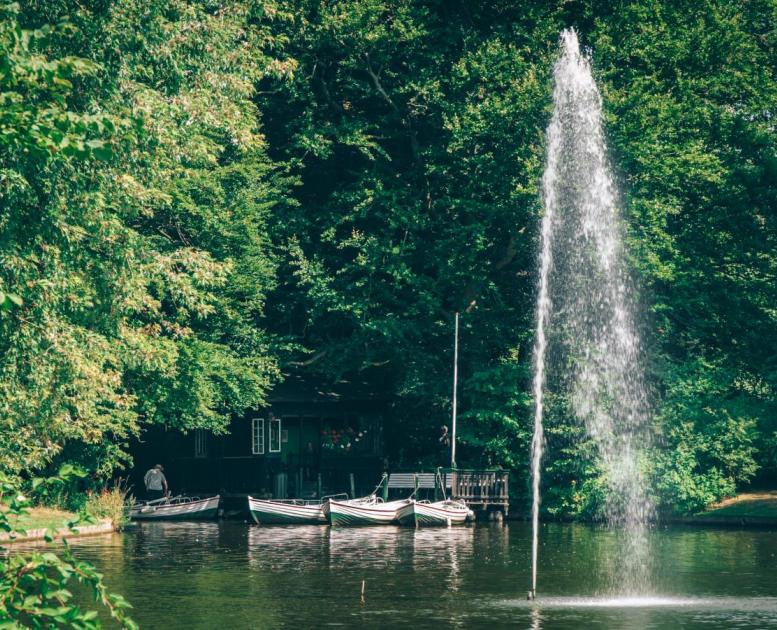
301,388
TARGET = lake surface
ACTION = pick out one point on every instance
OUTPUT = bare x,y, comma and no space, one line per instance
235,575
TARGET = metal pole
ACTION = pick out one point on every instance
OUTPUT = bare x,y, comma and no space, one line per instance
455,387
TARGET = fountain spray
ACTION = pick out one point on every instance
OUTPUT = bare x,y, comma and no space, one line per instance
585,310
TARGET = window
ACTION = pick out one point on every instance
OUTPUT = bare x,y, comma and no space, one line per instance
257,436
275,435
200,443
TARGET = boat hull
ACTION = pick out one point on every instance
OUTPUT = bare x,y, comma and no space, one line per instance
200,509
279,513
346,513
439,514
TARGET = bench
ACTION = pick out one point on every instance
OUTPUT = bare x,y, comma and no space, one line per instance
407,481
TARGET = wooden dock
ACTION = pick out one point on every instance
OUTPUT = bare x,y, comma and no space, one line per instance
486,490
482,489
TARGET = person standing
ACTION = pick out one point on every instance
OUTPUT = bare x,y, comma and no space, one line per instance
156,483
444,445
445,438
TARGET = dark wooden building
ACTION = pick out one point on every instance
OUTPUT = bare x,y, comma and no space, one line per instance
308,440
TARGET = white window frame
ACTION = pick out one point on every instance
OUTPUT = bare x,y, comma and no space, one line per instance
257,436
275,430
200,443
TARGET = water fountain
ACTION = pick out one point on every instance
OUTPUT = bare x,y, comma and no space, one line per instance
585,313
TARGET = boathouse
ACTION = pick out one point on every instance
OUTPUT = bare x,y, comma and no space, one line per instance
310,439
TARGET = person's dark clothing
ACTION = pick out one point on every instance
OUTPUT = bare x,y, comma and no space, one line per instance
152,495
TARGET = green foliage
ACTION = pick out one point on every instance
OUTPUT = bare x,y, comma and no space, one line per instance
419,195
491,434
134,258
709,442
114,503
691,97
34,585
417,130
194,194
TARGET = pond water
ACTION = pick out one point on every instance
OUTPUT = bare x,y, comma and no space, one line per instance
235,575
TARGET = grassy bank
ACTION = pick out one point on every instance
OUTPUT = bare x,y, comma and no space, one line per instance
750,505
39,517
109,504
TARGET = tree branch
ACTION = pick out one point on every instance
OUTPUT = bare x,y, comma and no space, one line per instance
316,357
509,254
379,87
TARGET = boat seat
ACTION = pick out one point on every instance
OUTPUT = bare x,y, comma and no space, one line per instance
407,481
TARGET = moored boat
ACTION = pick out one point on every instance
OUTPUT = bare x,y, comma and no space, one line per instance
289,512
176,508
366,511
439,513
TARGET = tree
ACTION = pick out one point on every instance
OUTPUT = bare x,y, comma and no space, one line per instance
137,191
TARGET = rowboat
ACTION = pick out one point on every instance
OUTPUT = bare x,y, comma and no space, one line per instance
290,512
446,513
176,508
294,511
365,511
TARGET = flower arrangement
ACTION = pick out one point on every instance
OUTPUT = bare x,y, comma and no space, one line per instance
342,440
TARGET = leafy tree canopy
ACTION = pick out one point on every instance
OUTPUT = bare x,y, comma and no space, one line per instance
195,194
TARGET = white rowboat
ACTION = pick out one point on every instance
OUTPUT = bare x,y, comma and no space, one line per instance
290,512
439,513
176,508
366,511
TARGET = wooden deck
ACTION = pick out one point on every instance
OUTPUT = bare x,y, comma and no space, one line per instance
480,489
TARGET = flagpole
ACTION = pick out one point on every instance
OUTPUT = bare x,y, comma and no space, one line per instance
455,387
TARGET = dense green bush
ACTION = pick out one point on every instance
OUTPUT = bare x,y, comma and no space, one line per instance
111,502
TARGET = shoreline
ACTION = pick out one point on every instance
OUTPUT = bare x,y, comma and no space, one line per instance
750,522
105,526
723,521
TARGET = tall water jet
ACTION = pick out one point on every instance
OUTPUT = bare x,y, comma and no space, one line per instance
585,313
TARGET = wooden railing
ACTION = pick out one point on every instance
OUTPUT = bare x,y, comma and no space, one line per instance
480,488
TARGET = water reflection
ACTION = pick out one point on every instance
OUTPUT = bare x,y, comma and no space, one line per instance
447,547
286,548
230,574
536,619
368,548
